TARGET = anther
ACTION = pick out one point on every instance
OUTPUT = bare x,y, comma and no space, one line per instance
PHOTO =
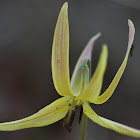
81,113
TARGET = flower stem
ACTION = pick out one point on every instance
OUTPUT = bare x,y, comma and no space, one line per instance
84,127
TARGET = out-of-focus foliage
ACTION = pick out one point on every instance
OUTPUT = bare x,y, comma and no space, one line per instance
130,3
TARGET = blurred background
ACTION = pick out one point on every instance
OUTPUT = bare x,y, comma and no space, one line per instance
26,86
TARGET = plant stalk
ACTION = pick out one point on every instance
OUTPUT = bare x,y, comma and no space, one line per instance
84,127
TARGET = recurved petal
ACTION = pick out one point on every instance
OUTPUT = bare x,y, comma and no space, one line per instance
109,91
60,54
93,89
87,53
120,128
46,116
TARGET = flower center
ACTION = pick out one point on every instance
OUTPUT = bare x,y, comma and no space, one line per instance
80,83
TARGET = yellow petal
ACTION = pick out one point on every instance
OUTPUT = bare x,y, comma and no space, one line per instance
87,53
60,54
120,128
108,93
93,89
46,116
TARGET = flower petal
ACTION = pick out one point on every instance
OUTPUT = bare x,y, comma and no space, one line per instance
120,128
108,93
85,54
93,90
60,54
46,116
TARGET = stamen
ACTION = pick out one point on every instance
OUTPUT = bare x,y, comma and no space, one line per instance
72,118
68,120
66,124
81,113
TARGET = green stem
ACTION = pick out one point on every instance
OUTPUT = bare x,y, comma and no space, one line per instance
84,127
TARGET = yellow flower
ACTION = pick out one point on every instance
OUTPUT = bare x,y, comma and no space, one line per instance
81,90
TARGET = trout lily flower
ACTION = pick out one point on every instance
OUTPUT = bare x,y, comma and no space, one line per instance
81,90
